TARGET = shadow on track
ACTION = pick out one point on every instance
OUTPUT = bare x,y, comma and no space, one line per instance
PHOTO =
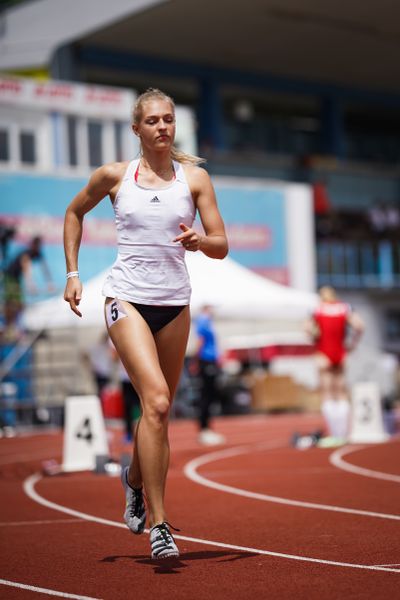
171,566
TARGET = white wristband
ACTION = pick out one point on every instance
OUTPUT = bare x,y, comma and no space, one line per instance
72,274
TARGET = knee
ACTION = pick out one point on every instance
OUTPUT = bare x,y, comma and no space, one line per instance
157,407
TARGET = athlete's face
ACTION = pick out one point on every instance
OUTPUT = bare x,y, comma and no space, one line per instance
156,128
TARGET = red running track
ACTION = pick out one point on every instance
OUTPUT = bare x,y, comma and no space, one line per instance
258,519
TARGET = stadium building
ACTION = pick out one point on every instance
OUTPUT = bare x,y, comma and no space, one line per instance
277,93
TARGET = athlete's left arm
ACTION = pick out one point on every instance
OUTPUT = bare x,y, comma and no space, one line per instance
214,243
357,329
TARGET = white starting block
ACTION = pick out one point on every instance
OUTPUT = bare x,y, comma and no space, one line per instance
367,419
84,433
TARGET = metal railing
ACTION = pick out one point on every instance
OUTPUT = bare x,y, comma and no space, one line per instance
36,374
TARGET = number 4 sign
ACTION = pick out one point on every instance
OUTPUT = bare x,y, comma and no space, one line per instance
84,433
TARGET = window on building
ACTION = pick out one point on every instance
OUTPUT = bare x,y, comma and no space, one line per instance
27,147
72,141
95,141
284,124
392,325
372,133
4,145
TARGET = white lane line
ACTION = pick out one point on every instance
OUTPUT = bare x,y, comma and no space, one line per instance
190,470
29,488
336,459
33,588
47,522
390,565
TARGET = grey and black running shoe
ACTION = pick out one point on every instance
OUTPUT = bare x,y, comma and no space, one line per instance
135,512
162,543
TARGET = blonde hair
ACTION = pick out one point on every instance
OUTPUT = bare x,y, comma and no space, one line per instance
137,114
327,294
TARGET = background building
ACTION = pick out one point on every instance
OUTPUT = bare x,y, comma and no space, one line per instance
279,92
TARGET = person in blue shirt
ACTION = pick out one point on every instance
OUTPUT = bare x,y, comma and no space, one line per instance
207,355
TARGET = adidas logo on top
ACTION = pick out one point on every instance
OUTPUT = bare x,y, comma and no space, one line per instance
155,199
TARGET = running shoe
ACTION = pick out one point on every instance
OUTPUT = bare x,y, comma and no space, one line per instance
162,543
135,512
207,437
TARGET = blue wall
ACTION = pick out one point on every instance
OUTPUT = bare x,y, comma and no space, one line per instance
35,205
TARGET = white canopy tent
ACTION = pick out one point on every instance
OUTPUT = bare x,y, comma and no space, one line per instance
236,293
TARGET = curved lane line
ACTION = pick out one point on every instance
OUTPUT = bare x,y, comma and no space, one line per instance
336,459
33,588
29,488
191,473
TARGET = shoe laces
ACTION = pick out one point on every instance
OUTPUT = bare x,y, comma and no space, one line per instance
164,530
138,500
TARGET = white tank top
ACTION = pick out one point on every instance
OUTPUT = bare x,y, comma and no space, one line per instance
150,267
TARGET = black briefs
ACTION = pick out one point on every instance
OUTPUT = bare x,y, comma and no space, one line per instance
157,317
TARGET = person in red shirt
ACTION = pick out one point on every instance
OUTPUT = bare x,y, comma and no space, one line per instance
336,330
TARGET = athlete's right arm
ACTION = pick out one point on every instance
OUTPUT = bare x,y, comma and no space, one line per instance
311,329
100,184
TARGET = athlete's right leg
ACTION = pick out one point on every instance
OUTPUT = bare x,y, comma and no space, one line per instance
324,366
137,350
342,423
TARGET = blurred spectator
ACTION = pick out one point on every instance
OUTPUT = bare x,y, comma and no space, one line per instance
18,273
131,400
393,219
207,356
329,327
384,219
328,225
322,204
6,234
377,218
101,362
113,380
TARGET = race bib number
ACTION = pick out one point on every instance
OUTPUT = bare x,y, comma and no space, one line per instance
114,312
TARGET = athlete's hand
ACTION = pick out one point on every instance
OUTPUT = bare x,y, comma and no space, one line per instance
73,294
189,239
